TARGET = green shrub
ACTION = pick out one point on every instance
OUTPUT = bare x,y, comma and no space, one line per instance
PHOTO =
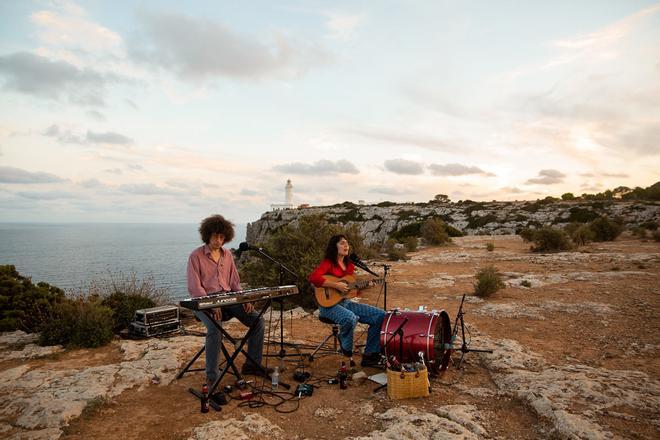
490,247
477,222
525,283
650,225
123,307
395,251
489,281
527,234
410,243
605,229
410,230
78,322
582,215
452,231
434,231
640,232
23,305
548,239
580,233
299,247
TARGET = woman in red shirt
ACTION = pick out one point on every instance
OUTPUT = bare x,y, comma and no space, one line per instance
347,313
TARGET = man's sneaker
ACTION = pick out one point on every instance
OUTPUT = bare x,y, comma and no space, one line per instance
251,369
219,398
347,353
371,360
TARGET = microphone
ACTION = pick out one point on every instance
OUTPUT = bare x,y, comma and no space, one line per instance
245,246
359,263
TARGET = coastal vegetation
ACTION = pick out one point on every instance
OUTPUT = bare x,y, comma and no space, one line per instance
488,281
300,247
82,319
548,238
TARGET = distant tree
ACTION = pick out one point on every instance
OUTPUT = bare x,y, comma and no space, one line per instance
441,198
620,191
567,196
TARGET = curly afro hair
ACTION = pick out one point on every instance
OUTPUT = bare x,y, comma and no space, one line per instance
216,224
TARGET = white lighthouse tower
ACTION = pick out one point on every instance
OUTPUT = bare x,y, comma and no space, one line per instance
288,198
288,194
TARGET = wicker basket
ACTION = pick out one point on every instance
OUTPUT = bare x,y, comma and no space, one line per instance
404,385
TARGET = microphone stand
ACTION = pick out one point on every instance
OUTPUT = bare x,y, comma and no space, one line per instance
386,268
280,301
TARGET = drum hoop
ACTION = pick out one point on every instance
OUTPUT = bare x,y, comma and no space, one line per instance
387,325
428,337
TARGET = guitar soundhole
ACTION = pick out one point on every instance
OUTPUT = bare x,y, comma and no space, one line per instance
327,294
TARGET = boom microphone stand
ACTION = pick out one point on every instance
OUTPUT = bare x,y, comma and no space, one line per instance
282,268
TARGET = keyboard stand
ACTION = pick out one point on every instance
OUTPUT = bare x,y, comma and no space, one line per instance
229,358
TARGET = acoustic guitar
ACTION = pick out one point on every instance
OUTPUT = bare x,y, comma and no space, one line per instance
328,296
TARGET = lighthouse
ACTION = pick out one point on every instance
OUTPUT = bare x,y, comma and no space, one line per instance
288,194
288,198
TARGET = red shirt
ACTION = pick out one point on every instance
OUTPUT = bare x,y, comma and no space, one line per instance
328,268
206,276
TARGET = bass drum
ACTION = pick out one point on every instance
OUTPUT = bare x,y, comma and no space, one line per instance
425,332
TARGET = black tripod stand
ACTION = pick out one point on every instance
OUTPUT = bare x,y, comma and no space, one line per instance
464,346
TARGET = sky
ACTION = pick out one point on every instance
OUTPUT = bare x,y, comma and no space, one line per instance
168,111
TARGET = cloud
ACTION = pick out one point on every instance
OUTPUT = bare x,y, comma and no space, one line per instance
456,169
92,183
108,137
547,177
391,191
96,115
35,75
70,27
622,175
511,189
321,167
198,49
116,171
342,26
404,166
148,189
67,137
48,195
407,139
248,192
17,175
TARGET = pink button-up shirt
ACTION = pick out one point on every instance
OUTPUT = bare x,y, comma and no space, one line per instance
206,276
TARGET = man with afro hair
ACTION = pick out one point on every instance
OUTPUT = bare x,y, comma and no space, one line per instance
211,269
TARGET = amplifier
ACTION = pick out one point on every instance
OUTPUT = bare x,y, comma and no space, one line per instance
156,315
137,329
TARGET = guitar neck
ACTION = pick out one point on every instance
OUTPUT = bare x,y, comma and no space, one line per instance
365,283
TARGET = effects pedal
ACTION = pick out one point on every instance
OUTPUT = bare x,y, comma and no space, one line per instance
304,389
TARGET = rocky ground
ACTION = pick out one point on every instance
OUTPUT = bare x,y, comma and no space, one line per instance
574,334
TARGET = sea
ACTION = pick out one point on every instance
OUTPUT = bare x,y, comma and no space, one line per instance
74,255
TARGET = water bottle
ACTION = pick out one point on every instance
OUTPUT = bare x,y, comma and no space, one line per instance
275,378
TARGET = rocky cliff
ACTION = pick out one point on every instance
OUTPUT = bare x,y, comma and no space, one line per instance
378,222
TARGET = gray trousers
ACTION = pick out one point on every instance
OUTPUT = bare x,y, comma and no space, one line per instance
214,338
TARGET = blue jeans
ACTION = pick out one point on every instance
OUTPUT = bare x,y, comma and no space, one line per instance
347,314
214,337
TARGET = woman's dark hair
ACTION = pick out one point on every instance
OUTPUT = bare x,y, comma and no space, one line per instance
331,249
216,224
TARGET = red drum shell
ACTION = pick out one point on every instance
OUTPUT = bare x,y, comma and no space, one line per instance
428,332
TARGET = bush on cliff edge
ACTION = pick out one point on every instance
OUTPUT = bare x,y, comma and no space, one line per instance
78,322
24,305
299,247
